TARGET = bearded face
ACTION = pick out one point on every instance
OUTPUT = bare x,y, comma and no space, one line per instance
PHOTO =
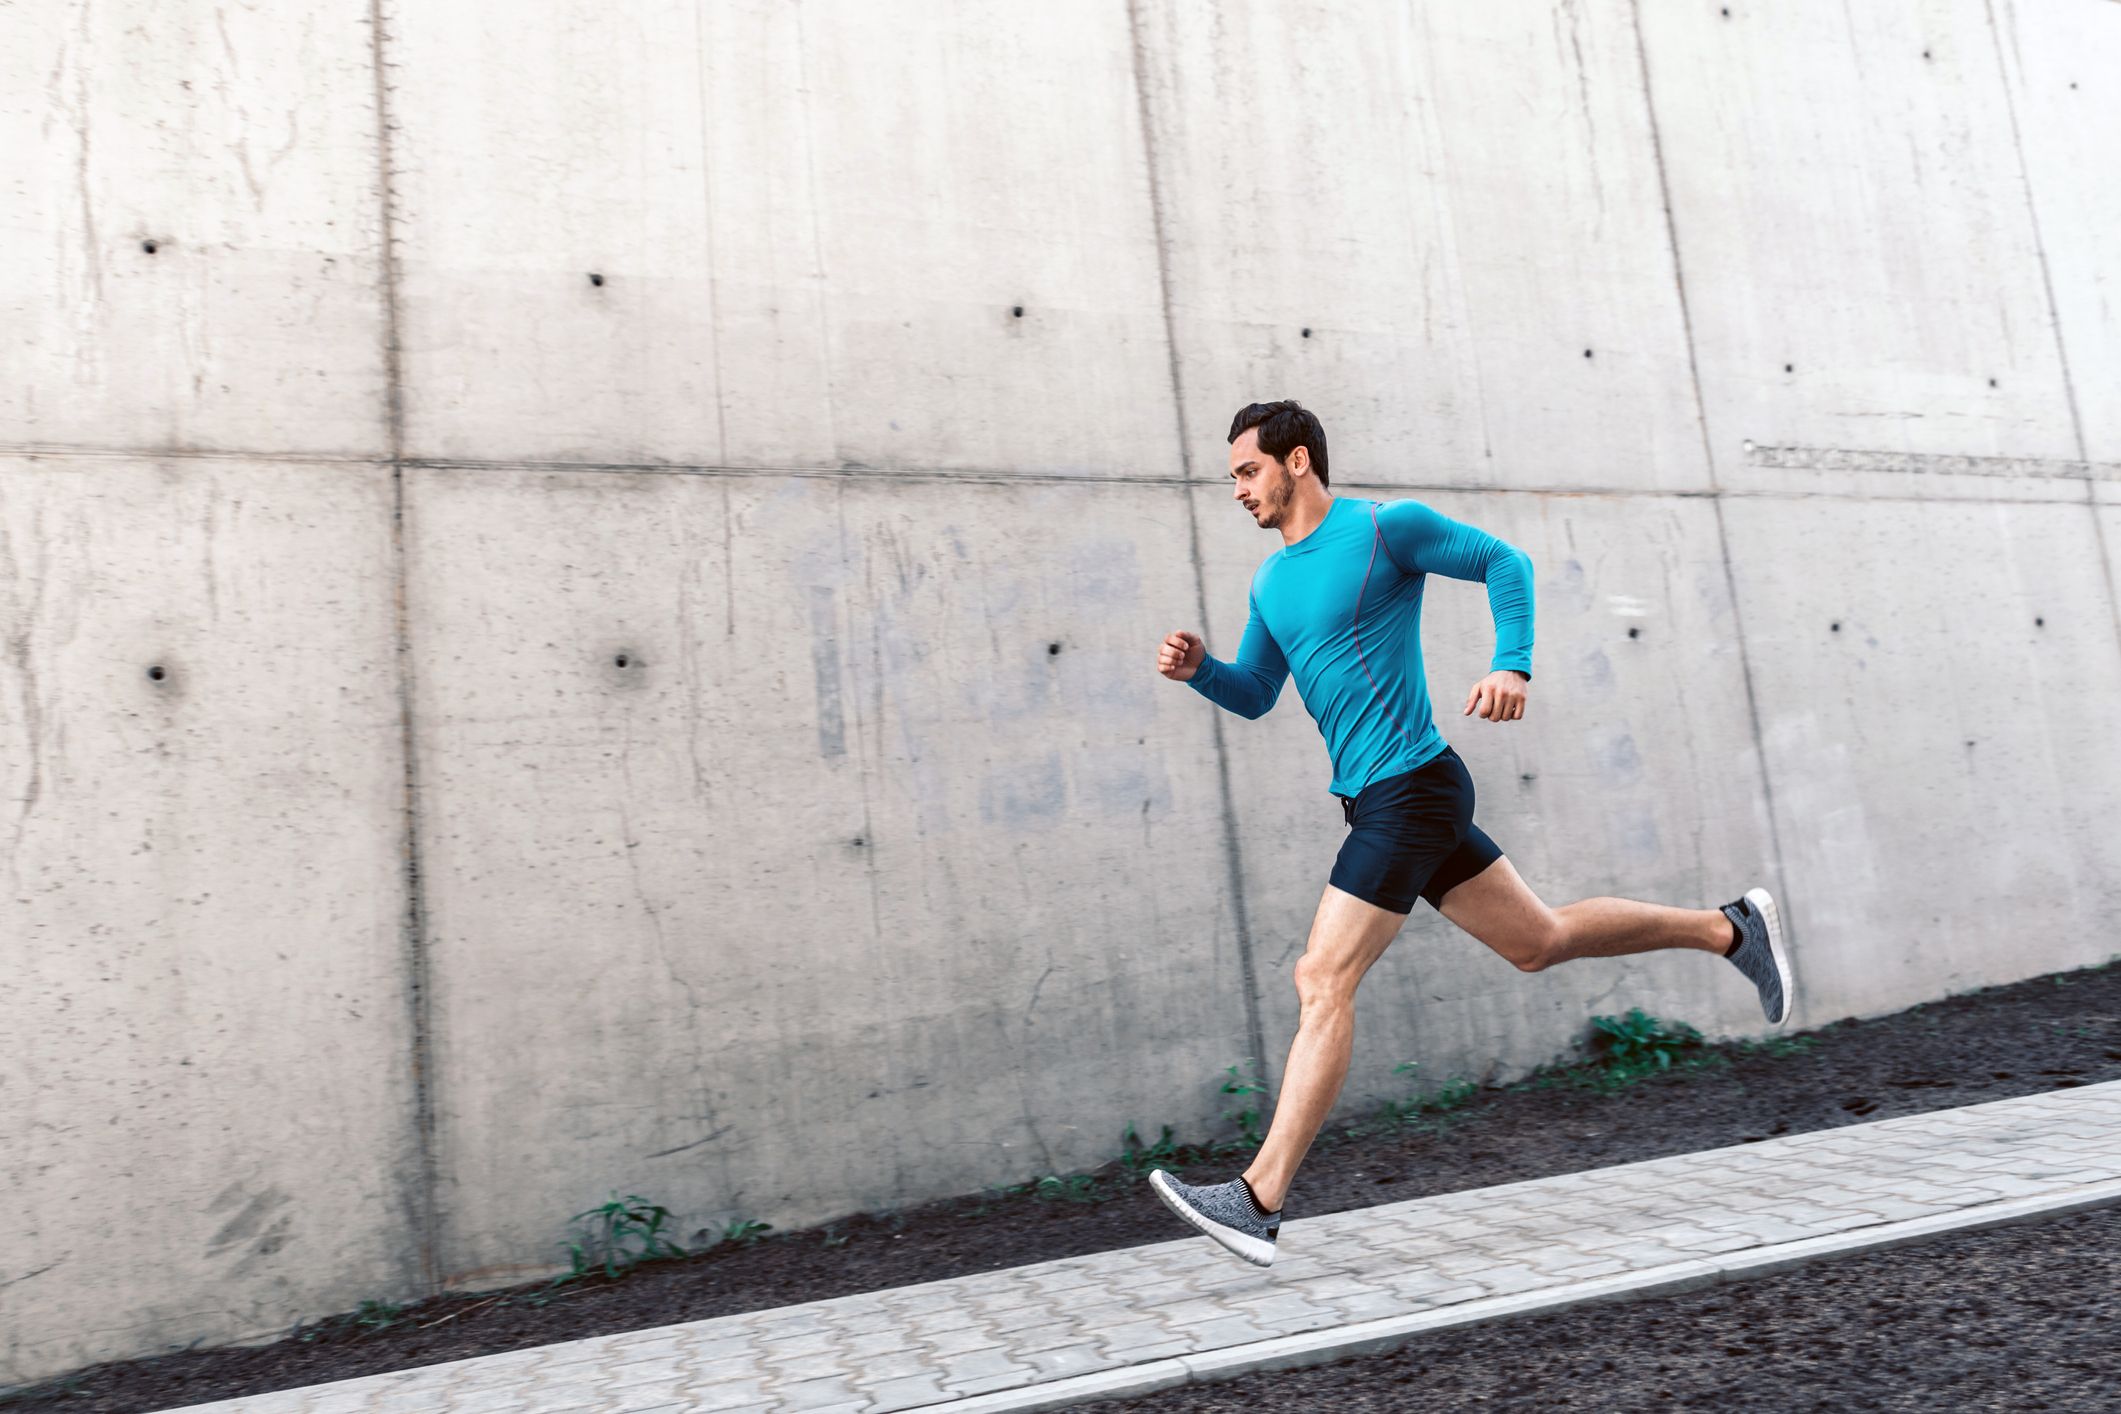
1274,502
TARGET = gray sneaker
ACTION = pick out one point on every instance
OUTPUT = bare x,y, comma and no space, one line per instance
1760,956
1223,1211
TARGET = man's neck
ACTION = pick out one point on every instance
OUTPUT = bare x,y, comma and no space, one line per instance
1305,515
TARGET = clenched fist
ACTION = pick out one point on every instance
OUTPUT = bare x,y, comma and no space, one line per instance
1499,696
1178,657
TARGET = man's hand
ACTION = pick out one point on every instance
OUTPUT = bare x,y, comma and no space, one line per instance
1499,696
1178,657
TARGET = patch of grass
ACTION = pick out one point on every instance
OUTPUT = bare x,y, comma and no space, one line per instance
1639,1043
378,1315
1779,1046
621,1235
1136,1158
1071,1188
1418,1109
992,1197
743,1231
1627,1049
365,1319
62,1387
1247,1118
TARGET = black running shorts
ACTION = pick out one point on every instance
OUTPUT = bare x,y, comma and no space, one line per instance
1412,836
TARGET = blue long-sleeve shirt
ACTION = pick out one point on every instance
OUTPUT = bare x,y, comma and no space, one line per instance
1341,611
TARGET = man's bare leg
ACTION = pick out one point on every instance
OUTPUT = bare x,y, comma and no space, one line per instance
1497,907
1347,935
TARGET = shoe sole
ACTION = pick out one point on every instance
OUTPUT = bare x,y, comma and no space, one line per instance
1765,902
1255,1250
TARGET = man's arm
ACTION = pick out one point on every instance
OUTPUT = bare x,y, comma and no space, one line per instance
1423,540
1248,686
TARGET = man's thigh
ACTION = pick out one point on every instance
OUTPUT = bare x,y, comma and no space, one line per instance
1347,935
1500,909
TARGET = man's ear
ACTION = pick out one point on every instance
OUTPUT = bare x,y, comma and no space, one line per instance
1299,462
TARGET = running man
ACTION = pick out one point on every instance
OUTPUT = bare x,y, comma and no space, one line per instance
1339,607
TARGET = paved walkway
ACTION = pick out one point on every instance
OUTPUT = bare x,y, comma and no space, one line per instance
1128,1321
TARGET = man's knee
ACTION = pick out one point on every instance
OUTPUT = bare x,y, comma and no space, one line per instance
1320,985
1539,947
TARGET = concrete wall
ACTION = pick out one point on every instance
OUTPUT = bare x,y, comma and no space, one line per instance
475,736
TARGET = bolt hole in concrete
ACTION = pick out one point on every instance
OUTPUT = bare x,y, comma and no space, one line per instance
1634,633
620,660
1016,311
1726,12
148,246
1992,382
155,672
1789,368
1836,627
596,279
2039,623
1307,333
858,841
1052,649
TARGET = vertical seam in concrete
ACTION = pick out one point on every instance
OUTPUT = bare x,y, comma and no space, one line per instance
1708,453
714,287
424,1183
1232,853
2054,318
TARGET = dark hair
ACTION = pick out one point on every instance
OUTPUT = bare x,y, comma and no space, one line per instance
1283,427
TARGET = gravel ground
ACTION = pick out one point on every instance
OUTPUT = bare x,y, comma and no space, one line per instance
2012,1318
2032,1036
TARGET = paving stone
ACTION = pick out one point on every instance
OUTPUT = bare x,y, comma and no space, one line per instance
1063,1361
907,1392
818,1394
1232,1328
732,1394
900,1365
976,1365
806,1367
1583,1271
1179,1314
1139,1340
638,1372
718,1347
662,1394
862,1348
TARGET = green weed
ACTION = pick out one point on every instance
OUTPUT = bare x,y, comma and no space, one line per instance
622,1234
1247,1118
65,1386
1417,1107
377,1315
1640,1044
1780,1046
1073,1188
1137,1158
743,1231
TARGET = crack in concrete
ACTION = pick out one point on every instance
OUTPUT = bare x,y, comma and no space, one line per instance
1232,848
